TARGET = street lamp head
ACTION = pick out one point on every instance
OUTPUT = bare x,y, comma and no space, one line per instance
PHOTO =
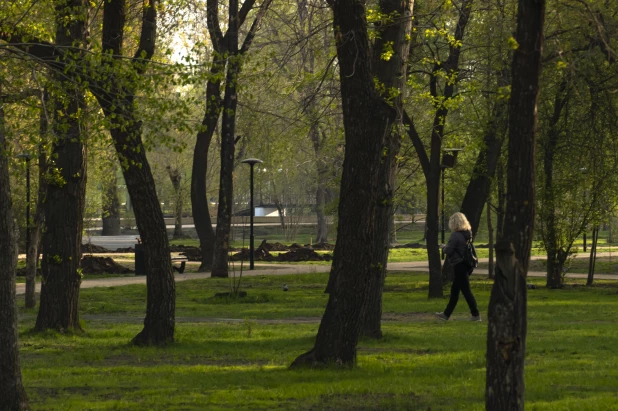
252,161
449,157
24,156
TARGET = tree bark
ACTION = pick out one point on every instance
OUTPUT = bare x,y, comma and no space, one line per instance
432,169
486,163
111,204
555,254
32,259
66,189
230,44
176,179
391,74
199,198
226,182
356,265
12,393
490,233
593,255
117,101
506,337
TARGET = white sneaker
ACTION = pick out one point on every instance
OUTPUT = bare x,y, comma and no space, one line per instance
476,318
441,316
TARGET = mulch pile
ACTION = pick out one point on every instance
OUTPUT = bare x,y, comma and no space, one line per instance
321,246
297,253
100,265
303,254
274,246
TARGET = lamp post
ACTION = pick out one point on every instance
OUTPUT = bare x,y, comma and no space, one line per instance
449,157
251,162
27,157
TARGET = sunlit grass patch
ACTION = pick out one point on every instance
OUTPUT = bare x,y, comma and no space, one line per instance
234,354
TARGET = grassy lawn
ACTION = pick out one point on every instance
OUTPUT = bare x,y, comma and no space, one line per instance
234,354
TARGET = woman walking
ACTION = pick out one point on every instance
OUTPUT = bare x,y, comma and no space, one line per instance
461,233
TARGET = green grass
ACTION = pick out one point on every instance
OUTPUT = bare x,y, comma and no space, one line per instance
571,364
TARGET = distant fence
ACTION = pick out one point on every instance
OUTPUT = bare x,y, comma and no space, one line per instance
310,219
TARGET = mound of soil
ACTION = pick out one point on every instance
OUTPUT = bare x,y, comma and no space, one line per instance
321,246
125,250
91,248
100,265
274,246
303,254
192,254
260,254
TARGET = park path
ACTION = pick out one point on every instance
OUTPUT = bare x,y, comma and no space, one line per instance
287,269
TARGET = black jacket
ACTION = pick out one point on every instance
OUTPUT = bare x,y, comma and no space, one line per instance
456,246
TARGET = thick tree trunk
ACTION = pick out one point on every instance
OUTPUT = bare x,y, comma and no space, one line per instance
490,233
66,189
367,121
12,393
117,101
111,205
199,198
506,337
226,182
391,74
161,292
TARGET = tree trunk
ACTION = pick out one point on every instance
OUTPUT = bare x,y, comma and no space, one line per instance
176,179
486,163
161,292
501,200
66,189
554,268
490,233
111,204
119,107
12,393
450,68
226,182
593,255
32,259
506,337
199,198
433,230
356,265
391,74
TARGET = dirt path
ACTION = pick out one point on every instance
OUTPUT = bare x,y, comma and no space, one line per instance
287,269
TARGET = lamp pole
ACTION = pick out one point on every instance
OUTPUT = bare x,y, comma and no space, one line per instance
251,162
27,157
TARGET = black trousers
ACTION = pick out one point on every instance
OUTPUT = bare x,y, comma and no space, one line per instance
461,283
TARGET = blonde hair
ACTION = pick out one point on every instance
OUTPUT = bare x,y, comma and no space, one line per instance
459,222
